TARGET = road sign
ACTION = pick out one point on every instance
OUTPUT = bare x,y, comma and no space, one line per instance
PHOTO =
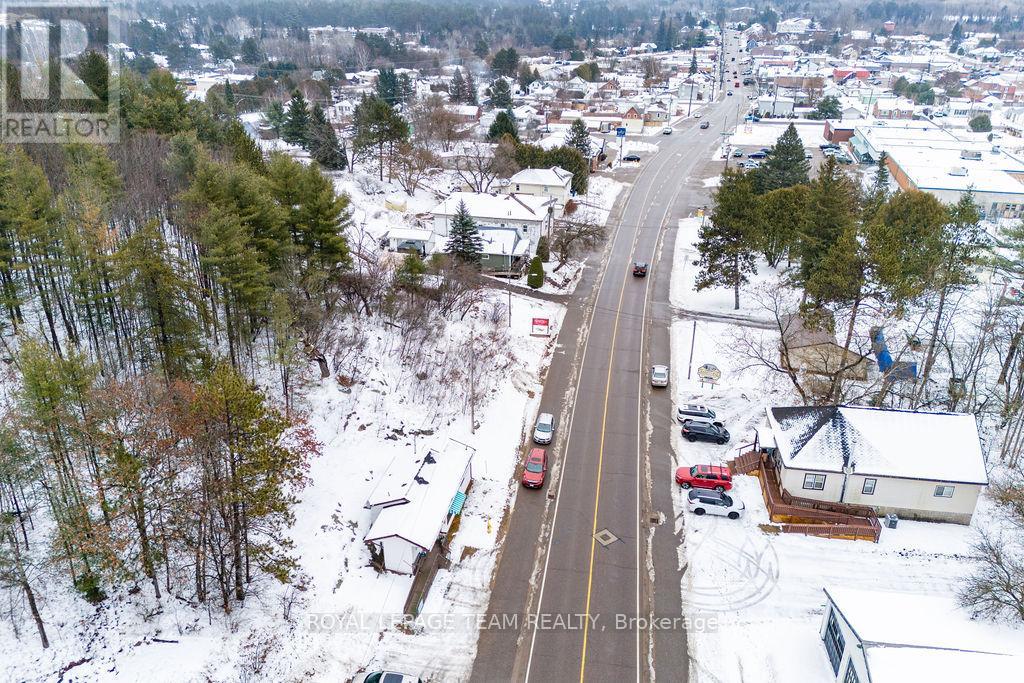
709,373
620,132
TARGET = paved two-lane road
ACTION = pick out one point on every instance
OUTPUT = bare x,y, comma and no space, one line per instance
575,561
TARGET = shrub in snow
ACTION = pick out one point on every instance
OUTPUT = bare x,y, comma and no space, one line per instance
535,278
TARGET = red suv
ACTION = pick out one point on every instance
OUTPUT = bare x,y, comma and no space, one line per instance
704,477
536,468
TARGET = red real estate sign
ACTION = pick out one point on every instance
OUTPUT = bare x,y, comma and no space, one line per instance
540,327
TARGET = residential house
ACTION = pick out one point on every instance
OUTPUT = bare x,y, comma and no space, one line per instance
918,465
414,503
877,636
779,106
554,183
633,120
815,351
465,113
530,216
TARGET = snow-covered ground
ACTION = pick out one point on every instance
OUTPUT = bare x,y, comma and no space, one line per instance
715,300
374,407
755,598
764,133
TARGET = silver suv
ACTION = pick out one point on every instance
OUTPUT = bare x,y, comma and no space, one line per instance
691,412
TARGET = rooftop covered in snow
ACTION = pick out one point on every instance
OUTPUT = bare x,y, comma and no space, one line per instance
873,441
926,638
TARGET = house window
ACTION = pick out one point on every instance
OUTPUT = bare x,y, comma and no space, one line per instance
851,674
869,487
814,482
834,643
944,491
517,187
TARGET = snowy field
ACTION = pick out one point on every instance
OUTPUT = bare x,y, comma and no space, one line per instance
757,596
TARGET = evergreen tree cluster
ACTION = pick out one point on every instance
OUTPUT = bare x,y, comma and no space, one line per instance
142,286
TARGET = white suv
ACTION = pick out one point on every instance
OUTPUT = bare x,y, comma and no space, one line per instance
701,501
691,412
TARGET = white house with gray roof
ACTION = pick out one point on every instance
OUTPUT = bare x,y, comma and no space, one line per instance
918,465
510,225
553,183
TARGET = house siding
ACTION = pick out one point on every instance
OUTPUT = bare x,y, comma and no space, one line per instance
915,499
907,498
853,652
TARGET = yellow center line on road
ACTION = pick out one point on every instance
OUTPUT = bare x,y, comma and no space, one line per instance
604,420
597,495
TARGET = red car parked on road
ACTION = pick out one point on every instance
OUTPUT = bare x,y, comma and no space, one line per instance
536,468
715,477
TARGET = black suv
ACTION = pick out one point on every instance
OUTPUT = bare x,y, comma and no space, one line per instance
639,269
692,431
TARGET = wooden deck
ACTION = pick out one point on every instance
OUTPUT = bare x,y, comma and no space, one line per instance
805,515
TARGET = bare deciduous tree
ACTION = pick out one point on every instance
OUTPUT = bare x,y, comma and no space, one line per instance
415,162
575,234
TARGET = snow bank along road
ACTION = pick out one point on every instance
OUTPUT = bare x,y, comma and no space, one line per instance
573,580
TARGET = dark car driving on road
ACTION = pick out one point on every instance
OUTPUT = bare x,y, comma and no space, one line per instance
639,269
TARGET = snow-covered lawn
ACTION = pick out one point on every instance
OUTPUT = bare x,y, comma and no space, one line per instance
718,301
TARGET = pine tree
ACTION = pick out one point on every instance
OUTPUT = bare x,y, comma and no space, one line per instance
535,276
725,244
500,93
324,146
785,165
296,126
276,116
578,137
832,211
229,96
470,96
693,62
464,242
457,92
504,124
152,286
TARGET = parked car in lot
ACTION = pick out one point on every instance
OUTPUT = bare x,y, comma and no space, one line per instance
737,153
544,429
698,115
639,269
705,125
667,130
659,376
697,413
536,468
750,165
714,503
700,431
717,477
386,677
757,155
828,145
631,157
808,155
